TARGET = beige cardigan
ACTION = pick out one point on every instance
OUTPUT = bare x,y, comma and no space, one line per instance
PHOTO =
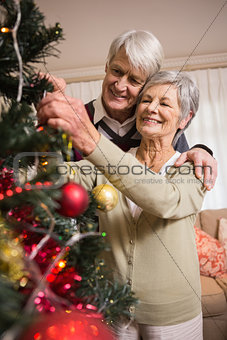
156,254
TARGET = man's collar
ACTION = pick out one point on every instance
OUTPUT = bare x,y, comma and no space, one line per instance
100,112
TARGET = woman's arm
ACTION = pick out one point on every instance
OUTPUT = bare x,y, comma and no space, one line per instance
169,200
178,195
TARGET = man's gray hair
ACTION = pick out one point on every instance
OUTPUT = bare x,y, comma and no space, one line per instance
187,93
142,48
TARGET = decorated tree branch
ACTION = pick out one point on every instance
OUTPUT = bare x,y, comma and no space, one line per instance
52,278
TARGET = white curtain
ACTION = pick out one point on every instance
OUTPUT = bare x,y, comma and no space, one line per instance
85,90
209,127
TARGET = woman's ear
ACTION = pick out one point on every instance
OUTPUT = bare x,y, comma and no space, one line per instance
185,121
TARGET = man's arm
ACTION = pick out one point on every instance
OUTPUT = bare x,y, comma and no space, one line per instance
182,145
202,158
204,164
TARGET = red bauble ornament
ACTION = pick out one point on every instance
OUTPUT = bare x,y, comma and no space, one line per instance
68,326
74,200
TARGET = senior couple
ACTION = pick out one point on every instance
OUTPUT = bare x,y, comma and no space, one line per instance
151,229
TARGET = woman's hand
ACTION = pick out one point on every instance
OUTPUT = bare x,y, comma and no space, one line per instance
69,114
59,84
204,164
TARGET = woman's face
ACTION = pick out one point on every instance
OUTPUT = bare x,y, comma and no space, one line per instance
158,113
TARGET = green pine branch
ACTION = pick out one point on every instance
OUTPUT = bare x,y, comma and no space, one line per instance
36,42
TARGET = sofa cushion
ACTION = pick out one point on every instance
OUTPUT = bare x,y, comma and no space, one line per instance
208,220
213,297
222,234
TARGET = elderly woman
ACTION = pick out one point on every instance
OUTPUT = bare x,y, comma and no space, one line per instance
151,229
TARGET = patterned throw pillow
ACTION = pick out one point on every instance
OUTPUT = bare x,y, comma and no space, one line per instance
212,258
222,234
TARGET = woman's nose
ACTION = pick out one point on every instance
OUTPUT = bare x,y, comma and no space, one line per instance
153,107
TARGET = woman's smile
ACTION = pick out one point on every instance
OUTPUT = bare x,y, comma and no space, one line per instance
151,121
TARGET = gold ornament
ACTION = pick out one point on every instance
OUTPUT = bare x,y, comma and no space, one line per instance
67,141
106,197
11,255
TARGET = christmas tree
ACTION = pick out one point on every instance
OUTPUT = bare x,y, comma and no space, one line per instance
50,268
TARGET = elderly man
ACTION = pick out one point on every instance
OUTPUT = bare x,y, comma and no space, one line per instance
132,60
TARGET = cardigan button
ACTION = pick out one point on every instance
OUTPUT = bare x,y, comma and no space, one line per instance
130,282
129,262
131,241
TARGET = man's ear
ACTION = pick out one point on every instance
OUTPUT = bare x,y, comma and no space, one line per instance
185,121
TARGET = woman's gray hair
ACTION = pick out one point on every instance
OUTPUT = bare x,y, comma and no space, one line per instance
142,48
187,93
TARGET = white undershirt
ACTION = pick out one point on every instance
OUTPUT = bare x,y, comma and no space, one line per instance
118,128
135,209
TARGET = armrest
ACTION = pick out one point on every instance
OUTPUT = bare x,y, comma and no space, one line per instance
222,281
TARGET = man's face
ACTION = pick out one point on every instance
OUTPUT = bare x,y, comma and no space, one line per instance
121,87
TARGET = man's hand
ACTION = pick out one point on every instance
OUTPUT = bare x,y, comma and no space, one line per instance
69,114
204,163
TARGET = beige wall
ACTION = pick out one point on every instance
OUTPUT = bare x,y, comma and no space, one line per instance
89,26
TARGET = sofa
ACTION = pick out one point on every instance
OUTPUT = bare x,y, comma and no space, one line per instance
214,289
